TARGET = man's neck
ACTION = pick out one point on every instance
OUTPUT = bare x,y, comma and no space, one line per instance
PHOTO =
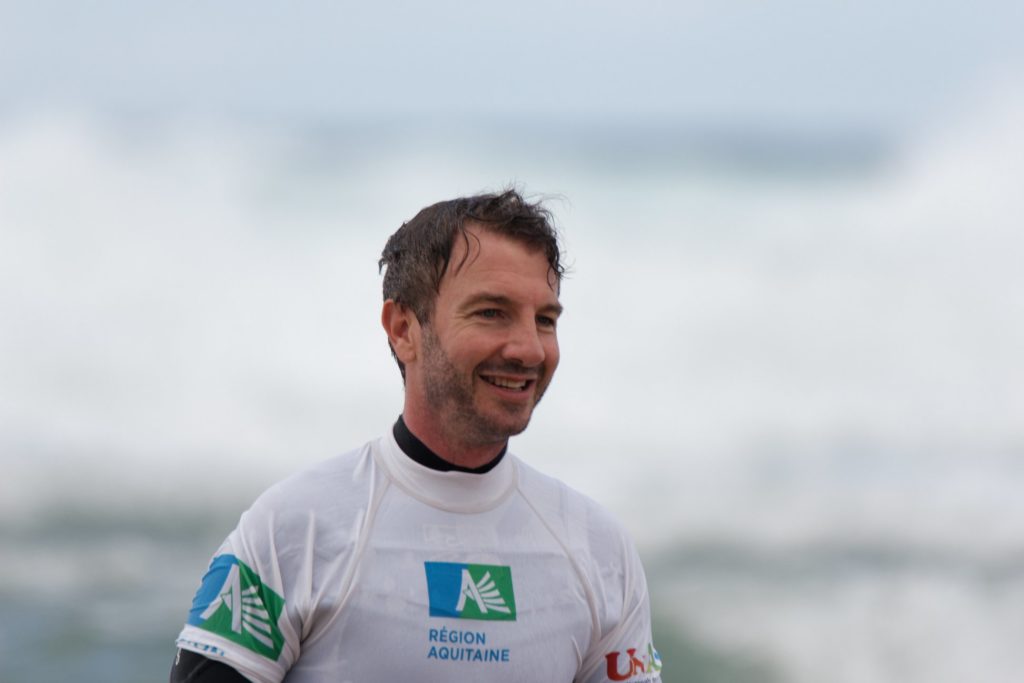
418,451
461,456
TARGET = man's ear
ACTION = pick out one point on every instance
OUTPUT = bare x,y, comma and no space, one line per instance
403,330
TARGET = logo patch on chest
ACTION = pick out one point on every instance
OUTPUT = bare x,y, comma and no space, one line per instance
470,591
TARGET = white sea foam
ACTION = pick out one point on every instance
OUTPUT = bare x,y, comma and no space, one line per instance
775,361
203,291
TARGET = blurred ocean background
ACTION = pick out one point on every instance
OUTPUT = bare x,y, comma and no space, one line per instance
793,347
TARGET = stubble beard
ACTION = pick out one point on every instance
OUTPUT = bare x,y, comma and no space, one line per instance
452,398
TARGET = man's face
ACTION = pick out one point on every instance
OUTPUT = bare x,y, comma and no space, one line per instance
490,348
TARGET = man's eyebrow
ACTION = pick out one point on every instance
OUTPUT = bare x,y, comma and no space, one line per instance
502,300
554,309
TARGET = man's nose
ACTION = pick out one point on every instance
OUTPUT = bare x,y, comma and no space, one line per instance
524,345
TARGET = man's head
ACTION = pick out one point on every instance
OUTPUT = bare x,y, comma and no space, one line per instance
419,253
471,304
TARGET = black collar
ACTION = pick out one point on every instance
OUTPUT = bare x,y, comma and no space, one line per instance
419,452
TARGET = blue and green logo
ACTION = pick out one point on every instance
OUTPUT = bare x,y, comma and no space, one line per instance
235,604
470,591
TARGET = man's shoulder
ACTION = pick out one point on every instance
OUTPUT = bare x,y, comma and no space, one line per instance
322,485
565,507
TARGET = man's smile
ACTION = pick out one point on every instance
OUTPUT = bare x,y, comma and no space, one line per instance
508,382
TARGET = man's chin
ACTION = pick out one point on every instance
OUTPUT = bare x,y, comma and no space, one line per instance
500,428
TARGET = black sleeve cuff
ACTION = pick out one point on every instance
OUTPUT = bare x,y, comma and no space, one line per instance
191,667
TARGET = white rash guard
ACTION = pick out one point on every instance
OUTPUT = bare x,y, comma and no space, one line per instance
372,567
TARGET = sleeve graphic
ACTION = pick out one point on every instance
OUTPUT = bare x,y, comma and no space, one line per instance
235,604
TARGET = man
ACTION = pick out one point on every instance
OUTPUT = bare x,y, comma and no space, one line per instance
432,554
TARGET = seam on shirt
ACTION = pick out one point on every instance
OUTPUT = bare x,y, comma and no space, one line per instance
595,622
365,531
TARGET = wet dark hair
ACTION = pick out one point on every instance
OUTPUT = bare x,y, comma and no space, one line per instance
419,253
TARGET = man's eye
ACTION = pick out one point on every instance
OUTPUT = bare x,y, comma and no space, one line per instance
489,313
546,321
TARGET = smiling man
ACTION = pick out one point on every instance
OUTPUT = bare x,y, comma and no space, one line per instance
432,554
479,358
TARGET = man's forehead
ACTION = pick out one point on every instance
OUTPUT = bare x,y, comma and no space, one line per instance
469,246
498,279
468,243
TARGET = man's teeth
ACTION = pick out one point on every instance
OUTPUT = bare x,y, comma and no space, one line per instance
505,383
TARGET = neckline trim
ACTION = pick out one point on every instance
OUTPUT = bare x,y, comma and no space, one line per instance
451,491
418,451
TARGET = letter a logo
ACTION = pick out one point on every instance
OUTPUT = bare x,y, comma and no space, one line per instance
470,591
235,604
483,593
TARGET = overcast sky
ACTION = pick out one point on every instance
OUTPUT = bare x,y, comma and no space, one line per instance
874,63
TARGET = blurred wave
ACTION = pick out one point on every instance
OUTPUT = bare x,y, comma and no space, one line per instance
803,352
